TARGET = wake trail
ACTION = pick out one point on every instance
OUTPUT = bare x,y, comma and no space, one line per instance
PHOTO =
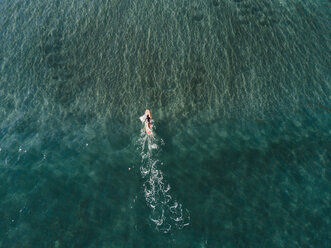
166,212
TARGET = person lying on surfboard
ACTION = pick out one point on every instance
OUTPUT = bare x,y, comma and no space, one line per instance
148,125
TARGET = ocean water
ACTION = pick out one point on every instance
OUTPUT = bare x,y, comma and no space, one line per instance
240,96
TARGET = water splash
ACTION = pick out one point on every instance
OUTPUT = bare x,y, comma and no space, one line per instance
166,212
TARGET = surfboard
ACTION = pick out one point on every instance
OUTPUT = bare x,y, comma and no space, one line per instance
148,130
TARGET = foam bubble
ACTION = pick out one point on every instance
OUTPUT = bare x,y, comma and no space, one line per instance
166,212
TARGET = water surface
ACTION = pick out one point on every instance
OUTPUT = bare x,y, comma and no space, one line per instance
240,96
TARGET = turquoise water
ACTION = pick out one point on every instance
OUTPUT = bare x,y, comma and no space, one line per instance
239,93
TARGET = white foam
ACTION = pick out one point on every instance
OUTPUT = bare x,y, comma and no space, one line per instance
142,118
166,212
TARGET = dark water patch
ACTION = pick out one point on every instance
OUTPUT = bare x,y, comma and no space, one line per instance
216,3
261,14
197,18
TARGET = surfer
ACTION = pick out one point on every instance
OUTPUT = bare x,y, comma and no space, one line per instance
148,119
148,125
